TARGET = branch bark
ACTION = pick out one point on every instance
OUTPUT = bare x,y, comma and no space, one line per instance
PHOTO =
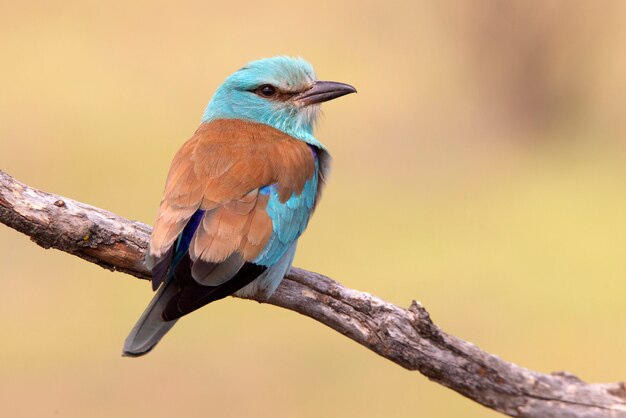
408,337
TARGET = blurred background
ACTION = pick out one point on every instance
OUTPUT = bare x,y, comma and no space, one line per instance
480,170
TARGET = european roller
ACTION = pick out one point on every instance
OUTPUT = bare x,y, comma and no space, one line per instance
238,195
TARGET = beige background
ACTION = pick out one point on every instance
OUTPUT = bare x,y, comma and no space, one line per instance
480,170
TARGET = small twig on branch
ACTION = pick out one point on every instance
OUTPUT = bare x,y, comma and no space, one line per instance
408,337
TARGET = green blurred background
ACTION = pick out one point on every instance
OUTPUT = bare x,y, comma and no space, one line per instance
480,170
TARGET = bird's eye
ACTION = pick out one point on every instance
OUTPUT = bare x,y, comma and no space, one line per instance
266,90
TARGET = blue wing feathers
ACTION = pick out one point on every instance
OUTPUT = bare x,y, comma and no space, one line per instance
184,239
289,220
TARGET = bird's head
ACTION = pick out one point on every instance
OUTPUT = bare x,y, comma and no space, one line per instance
282,92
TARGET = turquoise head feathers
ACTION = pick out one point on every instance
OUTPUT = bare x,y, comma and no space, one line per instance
282,92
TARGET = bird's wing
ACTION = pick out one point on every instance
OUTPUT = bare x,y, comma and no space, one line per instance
212,199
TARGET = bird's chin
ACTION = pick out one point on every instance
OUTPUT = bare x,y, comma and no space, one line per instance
307,115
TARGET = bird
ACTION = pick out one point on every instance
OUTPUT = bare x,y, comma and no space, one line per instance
238,195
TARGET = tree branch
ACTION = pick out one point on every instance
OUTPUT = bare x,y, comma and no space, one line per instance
408,337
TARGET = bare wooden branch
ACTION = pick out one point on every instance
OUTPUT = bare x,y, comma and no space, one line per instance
407,337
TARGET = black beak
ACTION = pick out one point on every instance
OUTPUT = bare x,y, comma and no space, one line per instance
323,91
